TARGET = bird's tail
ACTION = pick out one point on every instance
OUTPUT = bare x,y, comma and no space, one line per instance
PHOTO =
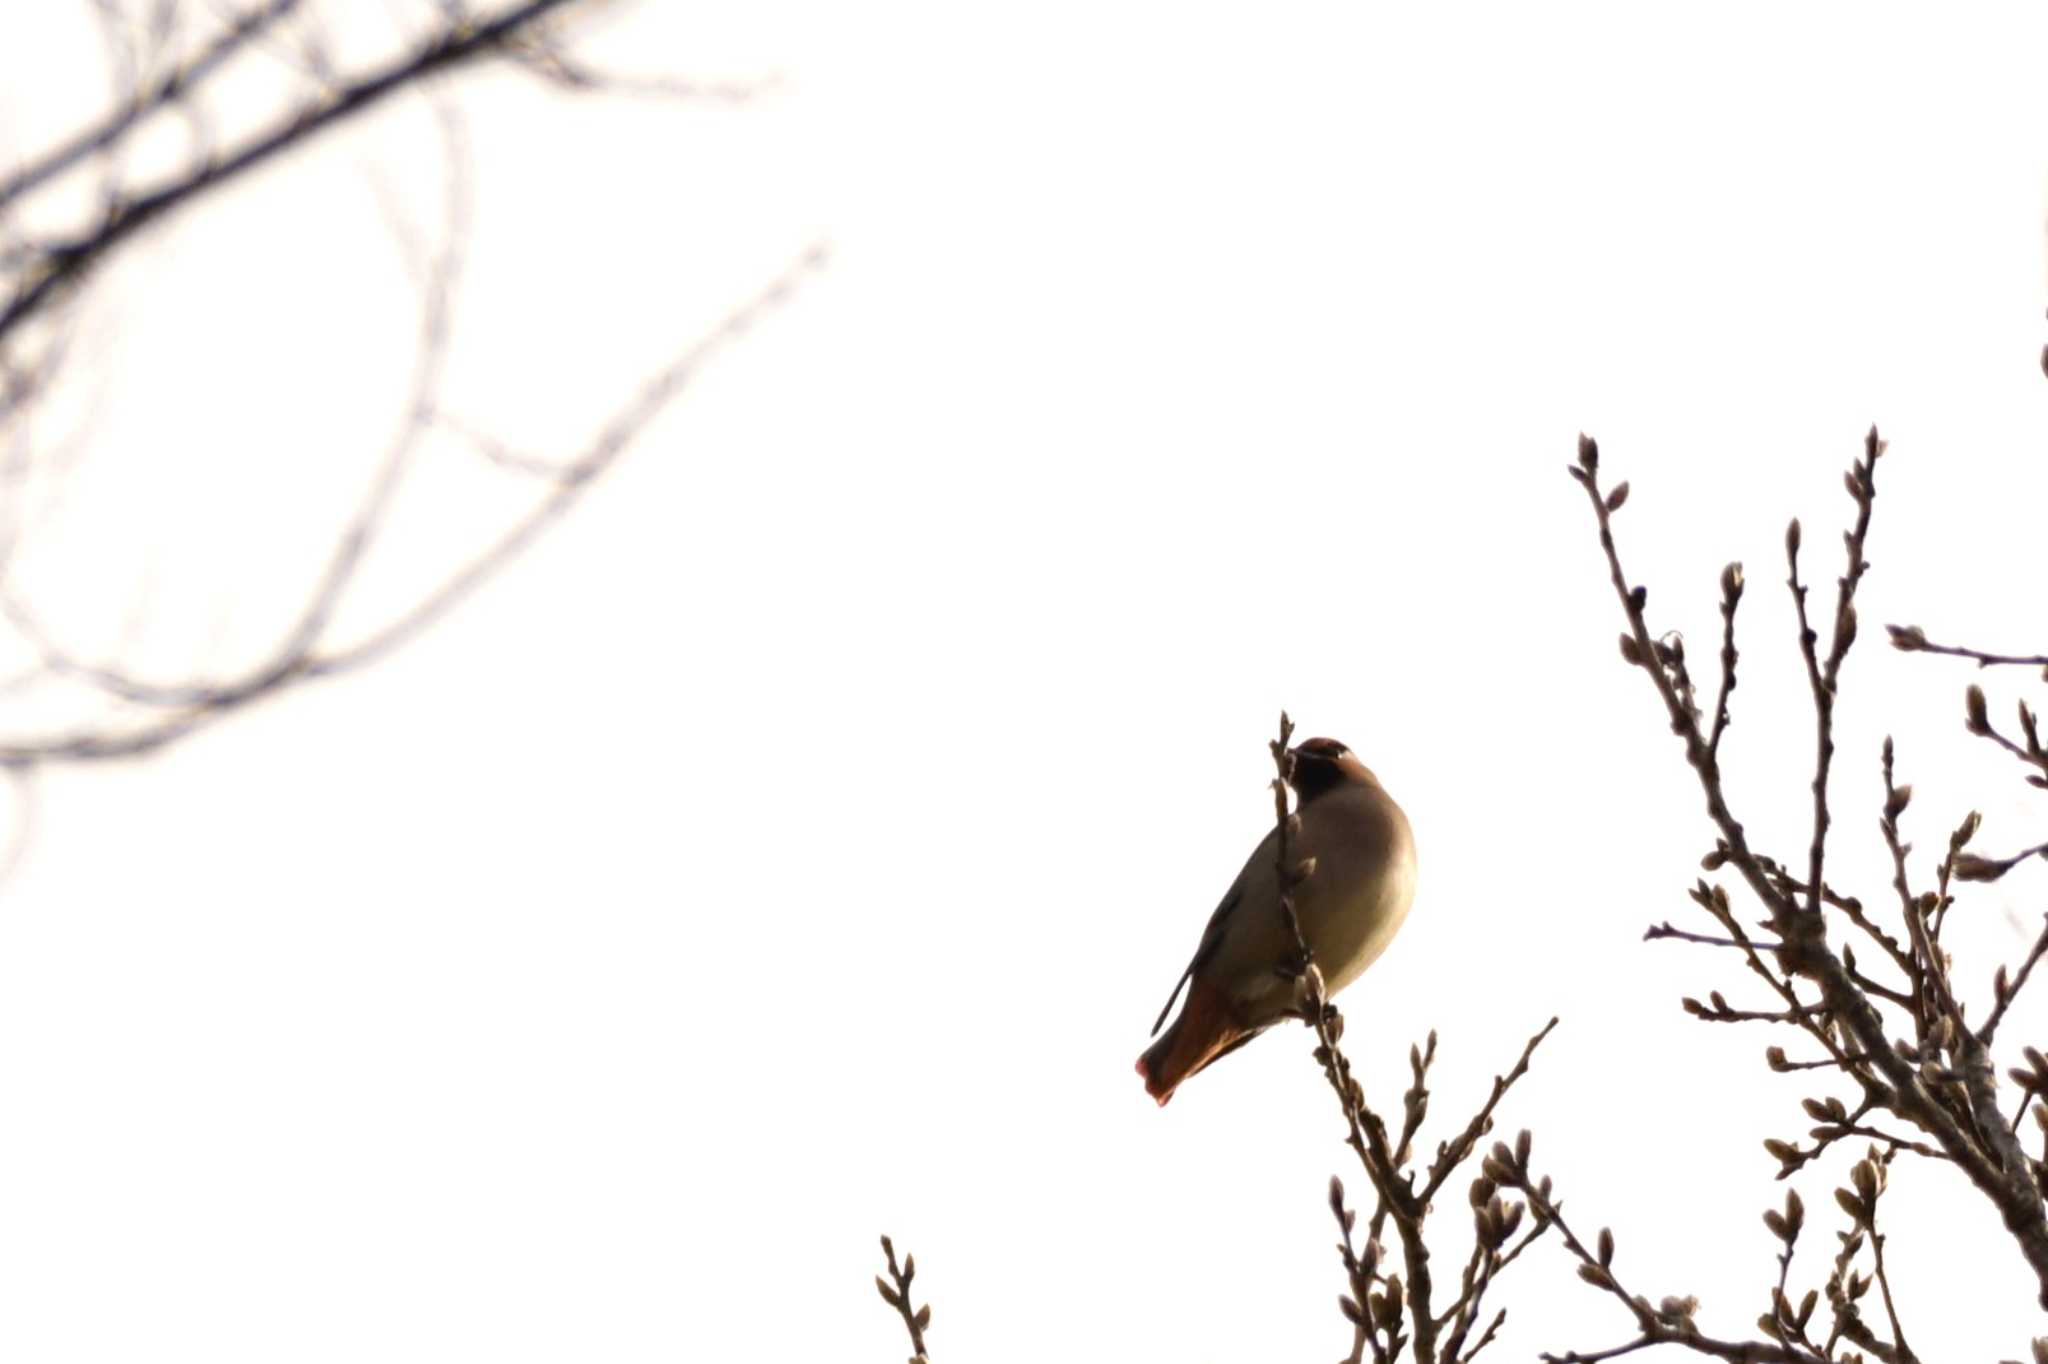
1206,1029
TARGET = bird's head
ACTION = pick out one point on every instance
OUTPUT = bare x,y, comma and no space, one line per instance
1321,764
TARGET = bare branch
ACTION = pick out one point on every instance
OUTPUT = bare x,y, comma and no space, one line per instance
66,262
1823,677
1957,1108
1664,930
1668,1322
1911,639
539,51
1717,1010
1453,1153
147,100
1731,597
897,1295
306,655
2006,993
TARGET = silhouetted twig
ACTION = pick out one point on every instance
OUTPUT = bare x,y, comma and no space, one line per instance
1938,1079
1913,640
897,1295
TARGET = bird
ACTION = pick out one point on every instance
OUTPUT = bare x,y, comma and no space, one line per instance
1353,902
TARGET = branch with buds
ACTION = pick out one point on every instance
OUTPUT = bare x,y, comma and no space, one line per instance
895,1291
1385,1311
1787,1329
1892,1028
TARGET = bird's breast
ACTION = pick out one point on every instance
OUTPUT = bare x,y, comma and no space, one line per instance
1363,884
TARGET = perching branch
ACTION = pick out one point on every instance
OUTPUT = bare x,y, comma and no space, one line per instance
1384,1311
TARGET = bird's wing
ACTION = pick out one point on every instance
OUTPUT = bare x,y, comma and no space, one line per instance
1212,935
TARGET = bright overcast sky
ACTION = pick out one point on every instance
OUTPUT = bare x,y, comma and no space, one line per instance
797,845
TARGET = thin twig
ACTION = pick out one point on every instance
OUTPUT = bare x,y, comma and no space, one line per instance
1666,930
1981,1146
1926,968
1911,639
2011,992
1671,1325
173,85
66,262
194,705
914,1320
1731,597
1452,1153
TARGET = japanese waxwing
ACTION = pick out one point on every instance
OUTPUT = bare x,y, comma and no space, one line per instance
1349,907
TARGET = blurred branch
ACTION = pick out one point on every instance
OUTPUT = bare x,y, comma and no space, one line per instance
305,656
541,52
63,262
143,713
148,99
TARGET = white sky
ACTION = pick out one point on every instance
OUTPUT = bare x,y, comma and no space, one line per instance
798,844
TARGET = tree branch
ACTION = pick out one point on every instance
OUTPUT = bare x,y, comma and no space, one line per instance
915,1320
66,261
1984,1150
